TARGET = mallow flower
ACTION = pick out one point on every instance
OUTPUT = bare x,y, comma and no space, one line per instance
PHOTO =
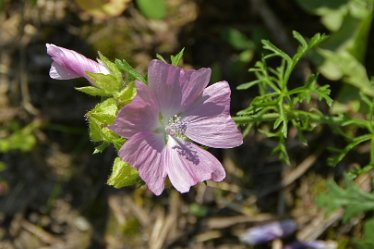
68,64
268,232
174,109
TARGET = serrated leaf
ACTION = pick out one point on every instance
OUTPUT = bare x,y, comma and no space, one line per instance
122,174
91,90
106,82
175,59
105,112
127,94
112,67
99,118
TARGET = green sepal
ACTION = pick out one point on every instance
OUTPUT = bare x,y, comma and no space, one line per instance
105,112
100,148
91,90
99,118
175,59
125,67
112,67
106,82
122,174
126,95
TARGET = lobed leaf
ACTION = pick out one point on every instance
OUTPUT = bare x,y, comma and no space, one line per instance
122,174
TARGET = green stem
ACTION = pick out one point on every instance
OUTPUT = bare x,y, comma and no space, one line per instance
315,117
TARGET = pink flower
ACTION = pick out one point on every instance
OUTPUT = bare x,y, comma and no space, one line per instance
268,232
68,64
174,108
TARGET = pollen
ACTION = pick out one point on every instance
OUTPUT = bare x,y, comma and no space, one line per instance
175,126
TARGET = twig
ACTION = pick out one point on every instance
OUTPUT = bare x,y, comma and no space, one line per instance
40,233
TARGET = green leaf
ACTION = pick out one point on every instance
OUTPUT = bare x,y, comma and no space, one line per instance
126,95
152,9
271,47
351,198
367,242
237,40
332,11
125,67
198,210
161,58
106,82
22,139
99,118
100,148
122,174
342,153
175,59
91,90
2,166
105,112
247,85
342,55
112,67
343,64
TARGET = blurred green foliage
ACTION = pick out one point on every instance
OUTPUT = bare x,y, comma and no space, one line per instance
18,138
102,9
342,55
351,198
152,9
367,240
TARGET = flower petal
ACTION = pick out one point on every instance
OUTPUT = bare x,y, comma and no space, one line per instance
187,164
193,82
209,121
268,232
140,115
164,81
68,64
144,151
58,72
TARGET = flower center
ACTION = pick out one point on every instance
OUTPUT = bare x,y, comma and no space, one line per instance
175,126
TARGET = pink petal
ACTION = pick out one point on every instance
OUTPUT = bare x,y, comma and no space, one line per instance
209,121
187,165
68,64
140,115
58,72
193,82
164,81
144,151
